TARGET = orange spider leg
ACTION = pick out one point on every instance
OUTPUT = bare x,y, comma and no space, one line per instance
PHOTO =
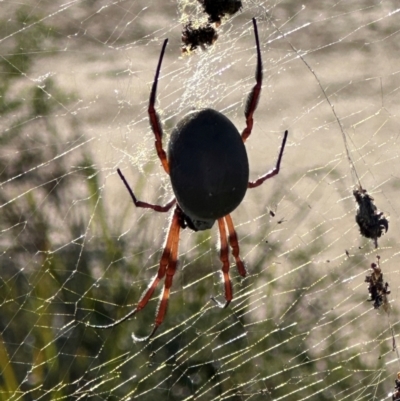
224,257
233,242
153,116
170,272
169,253
254,96
274,171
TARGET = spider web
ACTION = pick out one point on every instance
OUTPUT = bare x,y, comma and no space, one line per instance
76,77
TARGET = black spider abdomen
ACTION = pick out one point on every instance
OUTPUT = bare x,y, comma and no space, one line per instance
208,163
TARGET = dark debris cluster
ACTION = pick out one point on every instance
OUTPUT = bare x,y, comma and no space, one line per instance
202,36
396,392
373,224
371,221
218,9
205,35
378,289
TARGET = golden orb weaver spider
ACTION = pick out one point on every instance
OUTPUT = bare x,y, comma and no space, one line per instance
208,166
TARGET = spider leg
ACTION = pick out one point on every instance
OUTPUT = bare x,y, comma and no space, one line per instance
274,171
170,272
233,242
224,257
254,96
169,253
138,203
153,116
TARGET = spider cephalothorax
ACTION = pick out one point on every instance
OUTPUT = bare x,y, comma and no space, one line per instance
377,288
371,221
208,166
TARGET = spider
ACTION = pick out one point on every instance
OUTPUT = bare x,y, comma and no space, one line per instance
370,220
209,171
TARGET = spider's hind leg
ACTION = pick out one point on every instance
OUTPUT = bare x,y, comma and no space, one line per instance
153,116
254,96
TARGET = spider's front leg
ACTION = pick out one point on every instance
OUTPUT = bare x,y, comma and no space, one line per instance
168,264
167,268
224,257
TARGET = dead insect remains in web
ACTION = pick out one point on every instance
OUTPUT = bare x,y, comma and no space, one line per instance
209,171
203,36
378,290
371,221
396,392
217,9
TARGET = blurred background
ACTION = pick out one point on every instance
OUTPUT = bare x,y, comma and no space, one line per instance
76,78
